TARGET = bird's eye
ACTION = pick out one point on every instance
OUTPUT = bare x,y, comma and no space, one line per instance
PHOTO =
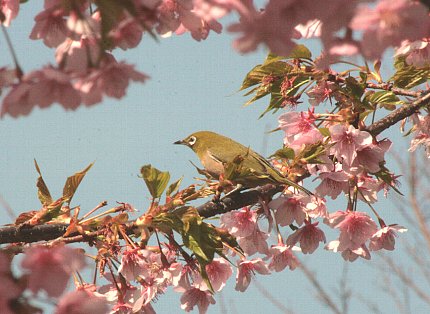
192,140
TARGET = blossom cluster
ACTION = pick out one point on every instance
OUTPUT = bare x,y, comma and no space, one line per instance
84,35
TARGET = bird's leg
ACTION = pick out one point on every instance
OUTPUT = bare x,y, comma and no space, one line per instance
237,189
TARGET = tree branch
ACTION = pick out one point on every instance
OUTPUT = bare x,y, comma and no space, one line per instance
399,114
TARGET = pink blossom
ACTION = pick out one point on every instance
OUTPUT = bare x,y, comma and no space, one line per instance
81,302
255,242
111,79
316,207
289,209
310,30
216,9
132,264
40,88
370,158
299,129
417,53
78,56
50,269
333,183
10,9
389,23
322,91
195,296
246,269
241,223
218,271
9,288
83,25
7,77
275,26
121,296
347,141
178,16
9,291
355,228
309,236
368,188
127,34
422,131
282,257
384,238
51,26
349,254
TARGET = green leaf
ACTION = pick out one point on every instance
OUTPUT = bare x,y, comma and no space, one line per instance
284,153
354,87
155,180
300,52
324,131
408,76
42,189
73,182
174,186
386,99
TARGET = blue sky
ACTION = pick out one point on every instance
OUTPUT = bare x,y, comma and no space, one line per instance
193,86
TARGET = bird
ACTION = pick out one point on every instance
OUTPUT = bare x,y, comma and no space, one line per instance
216,151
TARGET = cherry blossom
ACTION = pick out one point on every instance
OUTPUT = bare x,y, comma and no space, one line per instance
289,209
132,264
348,140
77,56
7,77
299,129
282,257
333,182
40,88
370,158
195,296
309,236
241,223
255,242
10,9
51,26
81,302
127,34
349,254
9,288
389,23
111,79
417,53
246,269
178,16
355,228
368,187
422,137
50,269
384,238
322,91
218,271
273,27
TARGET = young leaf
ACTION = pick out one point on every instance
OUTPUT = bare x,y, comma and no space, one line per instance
42,190
155,180
174,186
73,182
300,52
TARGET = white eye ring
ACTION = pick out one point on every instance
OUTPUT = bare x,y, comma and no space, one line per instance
192,140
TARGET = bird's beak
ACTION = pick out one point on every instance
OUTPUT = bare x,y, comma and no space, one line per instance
180,142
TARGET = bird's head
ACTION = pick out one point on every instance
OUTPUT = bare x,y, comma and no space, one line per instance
199,141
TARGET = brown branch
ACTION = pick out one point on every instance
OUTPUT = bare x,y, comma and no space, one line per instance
399,114
395,90
237,200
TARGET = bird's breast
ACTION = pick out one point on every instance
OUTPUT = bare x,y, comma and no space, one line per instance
211,164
